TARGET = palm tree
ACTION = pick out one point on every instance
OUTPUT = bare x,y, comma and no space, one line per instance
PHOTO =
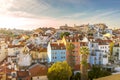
84,52
71,58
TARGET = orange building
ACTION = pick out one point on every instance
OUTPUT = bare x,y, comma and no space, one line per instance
75,40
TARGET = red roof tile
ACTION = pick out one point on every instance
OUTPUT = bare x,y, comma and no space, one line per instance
38,70
57,46
12,46
22,74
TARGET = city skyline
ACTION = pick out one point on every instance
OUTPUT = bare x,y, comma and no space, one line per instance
31,14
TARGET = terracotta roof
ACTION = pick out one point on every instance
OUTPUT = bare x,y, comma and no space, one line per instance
34,48
12,46
103,42
38,70
74,38
100,41
58,46
22,74
5,69
90,38
108,41
43,50
83,44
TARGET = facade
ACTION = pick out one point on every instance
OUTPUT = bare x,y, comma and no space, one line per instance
75,40
95,57
43,55
56,52
39,54
116,52
99,51
103,46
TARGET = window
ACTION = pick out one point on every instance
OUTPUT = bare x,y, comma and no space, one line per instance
95,60
55,57
104,56
52,57
92,45
99,58
52,47
118,50
62,57
99,62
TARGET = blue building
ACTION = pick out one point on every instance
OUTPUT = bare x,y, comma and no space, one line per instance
96,57
56,52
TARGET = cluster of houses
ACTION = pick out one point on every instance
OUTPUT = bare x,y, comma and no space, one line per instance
28,57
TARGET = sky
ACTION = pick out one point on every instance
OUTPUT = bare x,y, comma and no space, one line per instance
31,14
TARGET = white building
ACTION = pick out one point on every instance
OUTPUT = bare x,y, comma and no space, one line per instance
104,48
116,52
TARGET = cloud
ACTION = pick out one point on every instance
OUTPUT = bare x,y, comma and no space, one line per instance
30,6
25,8
75,1
104,14
74,16
39,13
98,16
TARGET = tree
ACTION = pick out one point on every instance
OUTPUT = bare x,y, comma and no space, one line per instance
59,71
84,52
71,58
64,34
97,72
111,51
77,76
